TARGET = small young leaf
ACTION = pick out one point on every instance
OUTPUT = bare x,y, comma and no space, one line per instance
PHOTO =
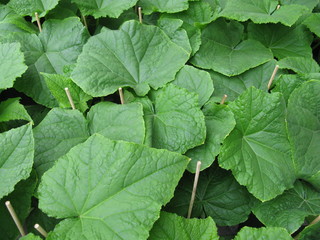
57,84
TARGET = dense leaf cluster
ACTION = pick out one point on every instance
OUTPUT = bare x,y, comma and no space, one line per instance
107,170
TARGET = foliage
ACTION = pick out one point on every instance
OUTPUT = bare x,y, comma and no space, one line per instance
110,171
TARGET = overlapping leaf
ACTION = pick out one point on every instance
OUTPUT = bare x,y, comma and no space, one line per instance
11,64
59,44
63,129
258,150
173,227
304,130
282,40
263,11
300,65
57,84
16,159
219,123
218,195
136,56
271,233
195,80
168,6
177,122
20,199
11,109
97,8
224,51
109,190
312,22
29,7
290,209
234,86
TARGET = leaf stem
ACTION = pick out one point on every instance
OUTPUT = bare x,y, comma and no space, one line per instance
41,230
121,96
273,76
38,21
70,98
140,14
15,218
224,98
194,190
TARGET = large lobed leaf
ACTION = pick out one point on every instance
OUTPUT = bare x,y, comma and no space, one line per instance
271,233
109,190
137,56
59,44
224,51
169,6
258,150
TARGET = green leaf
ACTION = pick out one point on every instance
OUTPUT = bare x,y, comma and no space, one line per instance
57,84
168,6
310,232
257,150
29,7
300,65
12,22
224,51
312,22
11,64
30,236
263,11
64,9
304,129
218,195
283,41
236,85
286,84
59,44
130,57
110,8
108,189
271,233
172,227
198,14
178,123
290,209
311,4
117,122
59,131
219,123
11,109
172,27
195,80
20,199
17,150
